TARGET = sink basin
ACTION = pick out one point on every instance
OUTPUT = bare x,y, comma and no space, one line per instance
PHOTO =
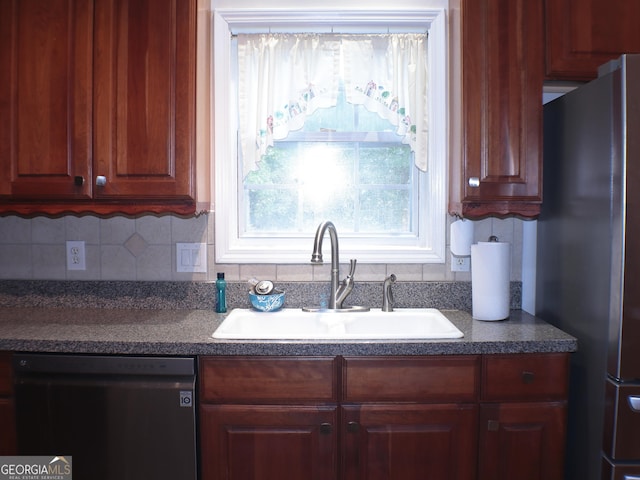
294,324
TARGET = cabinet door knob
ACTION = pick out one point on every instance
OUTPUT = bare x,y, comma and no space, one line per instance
474,182
78,180
353,427
528,377
325,428
101,180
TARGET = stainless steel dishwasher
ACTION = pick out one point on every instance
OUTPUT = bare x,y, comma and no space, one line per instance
118,417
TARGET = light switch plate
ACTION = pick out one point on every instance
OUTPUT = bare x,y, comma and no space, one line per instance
191,257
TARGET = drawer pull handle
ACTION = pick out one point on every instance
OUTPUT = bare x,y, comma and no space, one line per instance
325,428
101,180
474,182
528,377
634,403
353,427
78,180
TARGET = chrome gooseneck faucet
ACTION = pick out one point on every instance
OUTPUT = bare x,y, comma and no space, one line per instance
339,290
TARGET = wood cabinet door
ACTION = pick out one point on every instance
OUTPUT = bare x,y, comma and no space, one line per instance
409,442
45,99
581,35
268,442
8,444
7,412
144,123
6,380
522,440
502,76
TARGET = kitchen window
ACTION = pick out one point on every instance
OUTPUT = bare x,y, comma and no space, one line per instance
354,148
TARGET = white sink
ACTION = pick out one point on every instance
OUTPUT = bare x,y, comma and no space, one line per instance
294,324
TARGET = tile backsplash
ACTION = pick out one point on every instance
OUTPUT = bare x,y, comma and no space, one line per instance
143,249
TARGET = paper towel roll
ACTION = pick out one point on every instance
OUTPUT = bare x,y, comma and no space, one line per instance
490,275
461,237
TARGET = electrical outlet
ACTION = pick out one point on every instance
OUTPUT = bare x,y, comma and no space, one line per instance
460,264
191,257
75,255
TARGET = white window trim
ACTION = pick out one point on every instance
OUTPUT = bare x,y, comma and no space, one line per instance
229,247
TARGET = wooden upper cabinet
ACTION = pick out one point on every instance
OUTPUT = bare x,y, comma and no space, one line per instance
583,34
98,112
144,123
46,51
502,77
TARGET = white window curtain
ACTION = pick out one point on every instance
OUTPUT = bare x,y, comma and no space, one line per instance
285,77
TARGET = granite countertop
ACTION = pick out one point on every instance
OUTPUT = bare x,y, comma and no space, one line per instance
188,332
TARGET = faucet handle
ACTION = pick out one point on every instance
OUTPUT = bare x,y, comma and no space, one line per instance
352,267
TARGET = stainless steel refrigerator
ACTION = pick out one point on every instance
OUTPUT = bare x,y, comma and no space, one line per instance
588,264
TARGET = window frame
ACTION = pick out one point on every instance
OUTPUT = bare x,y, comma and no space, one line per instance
230,247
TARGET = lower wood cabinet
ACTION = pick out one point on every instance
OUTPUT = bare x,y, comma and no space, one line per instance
7,413
522,440
268,417
420,441
268,441
409,417
523,415
367,418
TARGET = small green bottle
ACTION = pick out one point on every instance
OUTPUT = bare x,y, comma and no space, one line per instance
221,289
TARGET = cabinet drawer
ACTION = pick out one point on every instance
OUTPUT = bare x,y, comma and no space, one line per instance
264,380
530,377
6,385
411,379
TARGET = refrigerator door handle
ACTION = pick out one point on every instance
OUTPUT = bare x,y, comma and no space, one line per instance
634,403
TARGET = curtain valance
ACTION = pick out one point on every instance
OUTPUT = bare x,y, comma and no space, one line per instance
285,77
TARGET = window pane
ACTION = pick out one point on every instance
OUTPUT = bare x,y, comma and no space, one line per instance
385,211
300,184
271,210
386,164
338,206
278,166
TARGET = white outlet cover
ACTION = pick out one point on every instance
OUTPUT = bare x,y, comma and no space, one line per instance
460,263
191,257
76,255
